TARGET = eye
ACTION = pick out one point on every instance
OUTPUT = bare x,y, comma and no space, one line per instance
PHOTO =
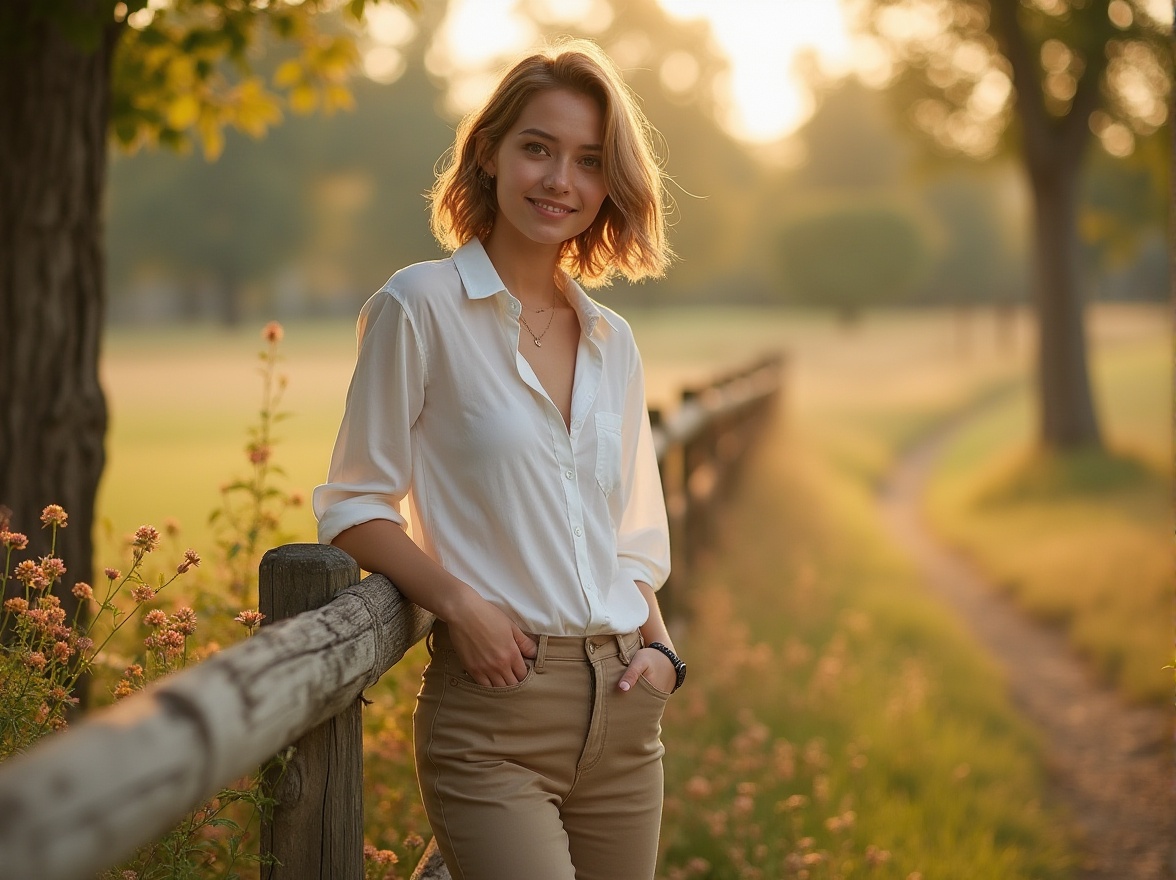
593,162
535,149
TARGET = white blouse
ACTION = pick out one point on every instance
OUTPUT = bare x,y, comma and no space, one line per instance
554,526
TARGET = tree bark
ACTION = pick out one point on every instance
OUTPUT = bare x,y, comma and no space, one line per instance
1052,152
53,131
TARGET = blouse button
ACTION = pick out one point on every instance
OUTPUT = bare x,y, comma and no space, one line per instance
579,531
576,423
569,474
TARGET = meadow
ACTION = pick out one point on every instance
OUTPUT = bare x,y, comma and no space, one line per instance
838,722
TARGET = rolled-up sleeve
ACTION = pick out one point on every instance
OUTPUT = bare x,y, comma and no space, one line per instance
643,539
371,466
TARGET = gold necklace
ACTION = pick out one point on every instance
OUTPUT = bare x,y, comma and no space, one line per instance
538,339
523,320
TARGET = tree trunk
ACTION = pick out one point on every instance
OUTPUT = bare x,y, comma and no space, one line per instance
1067,418
53,134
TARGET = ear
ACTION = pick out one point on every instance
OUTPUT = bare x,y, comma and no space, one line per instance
485,158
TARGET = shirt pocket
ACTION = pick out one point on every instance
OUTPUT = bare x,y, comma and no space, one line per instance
608,451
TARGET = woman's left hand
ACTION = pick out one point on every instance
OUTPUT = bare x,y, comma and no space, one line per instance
655,666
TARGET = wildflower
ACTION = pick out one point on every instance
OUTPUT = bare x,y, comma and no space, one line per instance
172,639
250,619
129,875
259,453
27,572
414,840
52,567
62,651
146,539
272,332
83,644
142,593
184,621
13,540
82,590
123,689
134,671
112,573
16,606
876,856
698,787
171,525
191,560
42,714
793,803
369,851
53,514
59,694
35,660
296,499
155,618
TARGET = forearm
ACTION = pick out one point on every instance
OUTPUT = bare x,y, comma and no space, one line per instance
654,629
383,547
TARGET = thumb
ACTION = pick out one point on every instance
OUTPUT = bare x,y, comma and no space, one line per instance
631,674
527,647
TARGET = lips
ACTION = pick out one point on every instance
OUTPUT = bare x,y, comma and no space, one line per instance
551,207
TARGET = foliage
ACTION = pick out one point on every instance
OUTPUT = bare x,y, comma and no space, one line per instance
848,254
183,71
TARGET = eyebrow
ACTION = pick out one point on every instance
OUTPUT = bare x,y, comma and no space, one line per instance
538,132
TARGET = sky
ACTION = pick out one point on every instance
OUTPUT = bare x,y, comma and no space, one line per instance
761,40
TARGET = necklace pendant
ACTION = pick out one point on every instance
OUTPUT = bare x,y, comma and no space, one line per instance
538,344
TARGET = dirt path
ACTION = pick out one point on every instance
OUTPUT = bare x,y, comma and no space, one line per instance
1111,763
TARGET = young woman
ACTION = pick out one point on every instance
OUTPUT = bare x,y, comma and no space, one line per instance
508,408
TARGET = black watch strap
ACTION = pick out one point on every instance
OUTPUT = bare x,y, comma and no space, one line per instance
679,666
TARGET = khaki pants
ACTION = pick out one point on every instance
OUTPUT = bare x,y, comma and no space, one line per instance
556,778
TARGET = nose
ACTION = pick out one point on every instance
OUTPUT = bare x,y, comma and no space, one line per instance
557,178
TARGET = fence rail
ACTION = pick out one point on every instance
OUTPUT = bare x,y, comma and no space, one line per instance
84,800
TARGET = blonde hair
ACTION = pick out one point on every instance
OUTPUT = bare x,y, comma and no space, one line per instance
628,235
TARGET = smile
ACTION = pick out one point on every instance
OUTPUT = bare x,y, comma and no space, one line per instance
551,207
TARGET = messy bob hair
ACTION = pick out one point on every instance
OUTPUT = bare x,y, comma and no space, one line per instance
628,235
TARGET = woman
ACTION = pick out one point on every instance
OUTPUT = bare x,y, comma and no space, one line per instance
509,409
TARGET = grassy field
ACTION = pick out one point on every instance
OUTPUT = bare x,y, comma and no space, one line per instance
837,720
1082,540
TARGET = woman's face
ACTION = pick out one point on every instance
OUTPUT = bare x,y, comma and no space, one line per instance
548,169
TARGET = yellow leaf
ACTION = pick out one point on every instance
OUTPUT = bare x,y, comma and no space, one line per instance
303,99
183,111
289,73
336,97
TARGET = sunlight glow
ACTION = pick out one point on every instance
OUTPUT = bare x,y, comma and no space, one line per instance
766,42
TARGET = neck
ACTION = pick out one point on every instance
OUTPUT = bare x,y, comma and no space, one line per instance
527,268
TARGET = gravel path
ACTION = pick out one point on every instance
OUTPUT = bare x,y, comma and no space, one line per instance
1111,763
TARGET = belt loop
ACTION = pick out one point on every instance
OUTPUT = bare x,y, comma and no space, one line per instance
541,653
629,645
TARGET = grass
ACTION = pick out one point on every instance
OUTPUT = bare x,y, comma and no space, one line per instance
836,721
1080,540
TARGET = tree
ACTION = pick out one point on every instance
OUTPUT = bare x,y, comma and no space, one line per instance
72,72
1040,78
847,254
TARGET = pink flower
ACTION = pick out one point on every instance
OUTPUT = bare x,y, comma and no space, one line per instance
191,560
272,332
84,644
83,590
53,567
13,540
184,621
296,499
35,660
112,573
259,453
155,618
250,619
53,514
142,593
62,651
27,572
146,539
16,605
123,689
170,638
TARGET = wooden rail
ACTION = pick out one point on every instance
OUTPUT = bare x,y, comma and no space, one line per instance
84,800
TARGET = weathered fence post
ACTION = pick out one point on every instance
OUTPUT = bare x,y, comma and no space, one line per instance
316,830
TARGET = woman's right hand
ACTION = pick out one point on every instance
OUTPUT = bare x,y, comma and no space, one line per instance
489,645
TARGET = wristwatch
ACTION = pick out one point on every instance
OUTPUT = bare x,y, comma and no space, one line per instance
679,665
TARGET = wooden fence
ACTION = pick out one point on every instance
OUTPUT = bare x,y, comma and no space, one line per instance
84,800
